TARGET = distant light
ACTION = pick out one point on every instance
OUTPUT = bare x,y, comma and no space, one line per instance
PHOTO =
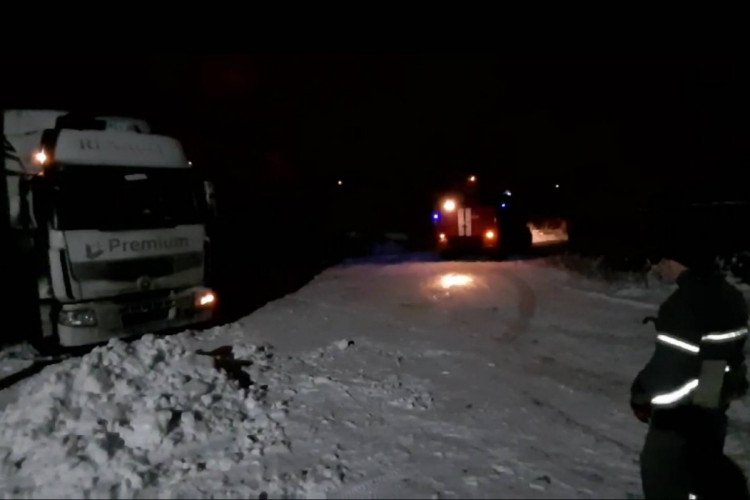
453,280
503,205
473,178
41,157
449,205
435,216
190,163
340,183
508,193
443,238
489,234
557,186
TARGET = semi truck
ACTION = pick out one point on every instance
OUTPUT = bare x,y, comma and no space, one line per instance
103,229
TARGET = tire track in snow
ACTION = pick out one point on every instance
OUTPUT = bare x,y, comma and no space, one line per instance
587,429
527,305
609,298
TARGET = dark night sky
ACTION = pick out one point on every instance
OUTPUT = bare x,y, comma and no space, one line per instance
407,122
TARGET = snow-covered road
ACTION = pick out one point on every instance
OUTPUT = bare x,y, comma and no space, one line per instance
416,379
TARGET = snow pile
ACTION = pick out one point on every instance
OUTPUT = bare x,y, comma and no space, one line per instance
16,358
126,415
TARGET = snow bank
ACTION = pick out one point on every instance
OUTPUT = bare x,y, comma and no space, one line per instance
16,358
125,415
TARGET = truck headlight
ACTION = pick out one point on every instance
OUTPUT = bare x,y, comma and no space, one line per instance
78,317
205,300
41,157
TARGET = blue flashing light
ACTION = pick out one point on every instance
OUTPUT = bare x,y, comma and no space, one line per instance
436,216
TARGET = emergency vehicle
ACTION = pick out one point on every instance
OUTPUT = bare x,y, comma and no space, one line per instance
470,219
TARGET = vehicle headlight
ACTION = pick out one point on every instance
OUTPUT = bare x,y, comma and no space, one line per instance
205,300
78,317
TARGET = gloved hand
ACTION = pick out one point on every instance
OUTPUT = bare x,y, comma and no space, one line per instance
641,411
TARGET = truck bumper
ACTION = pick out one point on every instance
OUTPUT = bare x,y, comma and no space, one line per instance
136,316
468,243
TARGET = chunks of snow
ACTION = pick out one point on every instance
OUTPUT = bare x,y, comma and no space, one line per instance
115,420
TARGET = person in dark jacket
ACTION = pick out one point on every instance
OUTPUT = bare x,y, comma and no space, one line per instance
685,389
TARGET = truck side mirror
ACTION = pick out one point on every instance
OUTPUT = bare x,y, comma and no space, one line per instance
210,193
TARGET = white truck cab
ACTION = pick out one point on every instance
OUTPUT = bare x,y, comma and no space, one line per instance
107,227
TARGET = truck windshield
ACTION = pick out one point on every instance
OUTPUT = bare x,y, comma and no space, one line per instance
108,198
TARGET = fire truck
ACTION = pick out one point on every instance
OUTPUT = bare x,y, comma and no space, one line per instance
469,219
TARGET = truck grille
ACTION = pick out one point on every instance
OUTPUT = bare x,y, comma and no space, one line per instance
132,269
145,312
